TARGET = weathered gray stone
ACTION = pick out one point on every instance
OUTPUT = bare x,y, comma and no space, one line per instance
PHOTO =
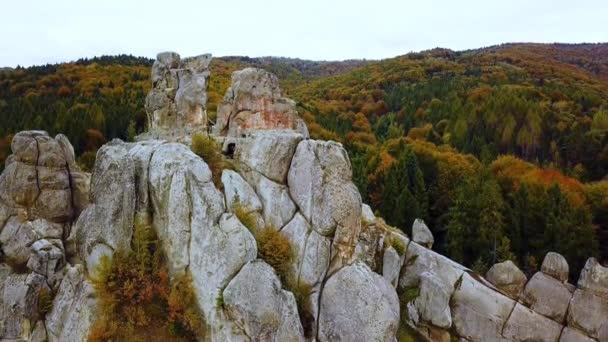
391,265
74,308
433,301
268,153
367,215
594,277
239,193
16,239
556,266
278,206
574,335
254,102
588,312
547,296
358,305
422,234
507,277
217,254
478,312
526,325
254,299
109,218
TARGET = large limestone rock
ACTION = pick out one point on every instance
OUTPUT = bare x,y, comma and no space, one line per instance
74,308
547,296
217,254
479,312
432,303
507,277
184,200
358,305
594,277
574,335
255,301
107,223
178,98
526,325
239,193
588,312
254,102
320,184
556,266
20,293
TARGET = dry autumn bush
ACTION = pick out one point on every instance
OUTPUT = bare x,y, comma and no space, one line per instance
137,300
206,148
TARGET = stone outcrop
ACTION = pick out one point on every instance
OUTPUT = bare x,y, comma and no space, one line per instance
254,102
351,277
177,102
41,192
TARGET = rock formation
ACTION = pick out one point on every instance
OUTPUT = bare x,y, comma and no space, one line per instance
365,278
254,102
177,102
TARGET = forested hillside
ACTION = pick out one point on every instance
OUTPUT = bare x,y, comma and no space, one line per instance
502,150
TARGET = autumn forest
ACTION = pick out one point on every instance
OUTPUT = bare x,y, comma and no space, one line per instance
503,151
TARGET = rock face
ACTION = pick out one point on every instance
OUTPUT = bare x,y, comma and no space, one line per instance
358,305
178,98
351,277
41,191
254,102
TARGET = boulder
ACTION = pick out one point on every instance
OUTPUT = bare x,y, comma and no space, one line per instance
588,312
556,266
391,265
358,305
574,335
16,239
526,325
422,234
367,215
109,218
594,277
278,206
47,260
217,254
267,153
320,184
420,259
19,303
254,102
239,192
74,308
547,296
432,303
255,301
183,199
479,312
507,277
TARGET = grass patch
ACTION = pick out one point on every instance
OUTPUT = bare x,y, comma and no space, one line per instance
398,245
137,300
246,216
205,147
275,249
45,302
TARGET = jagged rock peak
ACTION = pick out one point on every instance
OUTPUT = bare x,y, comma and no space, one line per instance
254,102
178,98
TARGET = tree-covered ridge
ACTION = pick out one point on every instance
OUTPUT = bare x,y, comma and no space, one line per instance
501,150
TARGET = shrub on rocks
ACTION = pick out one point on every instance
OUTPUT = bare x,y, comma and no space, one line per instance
206,148
137,300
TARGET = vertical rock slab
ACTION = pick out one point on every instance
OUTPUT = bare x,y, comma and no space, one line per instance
478,312
527,325
358,305
177,101
74,308
256,303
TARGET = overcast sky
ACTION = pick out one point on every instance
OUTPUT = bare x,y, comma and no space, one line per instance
49,31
